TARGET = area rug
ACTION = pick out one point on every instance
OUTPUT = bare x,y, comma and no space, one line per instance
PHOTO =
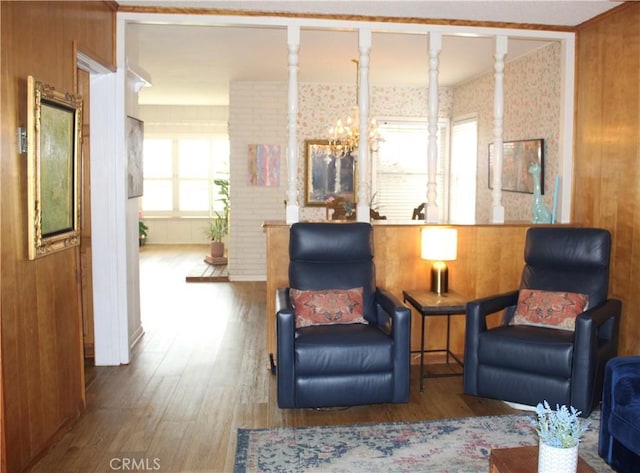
437,446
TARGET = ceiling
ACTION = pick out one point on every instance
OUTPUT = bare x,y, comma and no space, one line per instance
193,64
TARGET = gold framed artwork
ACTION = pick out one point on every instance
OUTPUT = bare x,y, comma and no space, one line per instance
54,124
328,175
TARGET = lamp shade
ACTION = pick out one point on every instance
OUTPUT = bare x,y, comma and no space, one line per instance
439,244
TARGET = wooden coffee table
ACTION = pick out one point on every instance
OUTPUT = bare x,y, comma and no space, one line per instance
523,460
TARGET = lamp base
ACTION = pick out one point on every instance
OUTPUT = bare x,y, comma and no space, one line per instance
439,278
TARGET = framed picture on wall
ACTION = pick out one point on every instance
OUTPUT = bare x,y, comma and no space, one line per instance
54,124
327,175
518,158
135,142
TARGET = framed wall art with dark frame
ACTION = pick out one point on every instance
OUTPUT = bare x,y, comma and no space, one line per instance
328,175
54,125
518,157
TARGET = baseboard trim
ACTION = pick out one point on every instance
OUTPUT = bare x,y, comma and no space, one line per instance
136,336
248,278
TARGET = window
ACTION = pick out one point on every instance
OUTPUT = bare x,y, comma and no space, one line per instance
179,174
400,169
464,158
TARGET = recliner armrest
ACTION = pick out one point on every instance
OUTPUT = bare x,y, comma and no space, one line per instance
476,323
285,336
596,342
282,299
387,305
598,323
285,319
395,319
479,309
604,318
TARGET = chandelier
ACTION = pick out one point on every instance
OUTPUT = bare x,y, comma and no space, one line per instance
344,136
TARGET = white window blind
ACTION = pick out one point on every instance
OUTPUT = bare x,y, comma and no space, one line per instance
400,168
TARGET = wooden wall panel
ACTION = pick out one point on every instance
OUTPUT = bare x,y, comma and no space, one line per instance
607,149
42,379
490,260
88,338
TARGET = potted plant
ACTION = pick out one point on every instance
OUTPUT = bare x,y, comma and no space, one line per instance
219,227
143,231
559,433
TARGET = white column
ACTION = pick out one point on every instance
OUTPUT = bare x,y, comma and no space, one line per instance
364,164
292,211
497,210
565,143
431,210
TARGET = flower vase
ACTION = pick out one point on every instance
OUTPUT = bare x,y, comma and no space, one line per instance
557,459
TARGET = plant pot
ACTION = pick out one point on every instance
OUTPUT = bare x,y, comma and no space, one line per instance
217,249
556,459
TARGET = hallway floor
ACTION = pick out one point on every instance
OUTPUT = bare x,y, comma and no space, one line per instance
200,372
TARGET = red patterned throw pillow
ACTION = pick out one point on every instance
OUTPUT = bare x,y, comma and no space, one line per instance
326,307
549,308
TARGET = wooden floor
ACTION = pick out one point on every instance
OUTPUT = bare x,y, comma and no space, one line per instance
207,272
200,373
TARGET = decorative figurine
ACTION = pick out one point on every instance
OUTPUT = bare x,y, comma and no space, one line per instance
540,212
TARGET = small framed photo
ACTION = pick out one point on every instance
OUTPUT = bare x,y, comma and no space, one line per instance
54,124
328,175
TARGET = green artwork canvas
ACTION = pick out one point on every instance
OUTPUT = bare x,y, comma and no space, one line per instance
56,162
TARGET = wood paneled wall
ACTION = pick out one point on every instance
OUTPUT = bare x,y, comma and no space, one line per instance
42,367
490,260
41,357
607,150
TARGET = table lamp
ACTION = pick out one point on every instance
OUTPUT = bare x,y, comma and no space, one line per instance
439,245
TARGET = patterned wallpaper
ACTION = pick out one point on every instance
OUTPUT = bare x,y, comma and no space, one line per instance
320,105
532,110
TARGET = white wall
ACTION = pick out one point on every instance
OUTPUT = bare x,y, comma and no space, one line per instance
135,328
177,231
258,115
184,118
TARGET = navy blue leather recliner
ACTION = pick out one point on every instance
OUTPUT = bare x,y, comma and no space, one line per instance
528,364
348,364
619,442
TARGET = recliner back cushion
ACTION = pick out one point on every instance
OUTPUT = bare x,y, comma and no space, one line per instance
333,256
568,259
